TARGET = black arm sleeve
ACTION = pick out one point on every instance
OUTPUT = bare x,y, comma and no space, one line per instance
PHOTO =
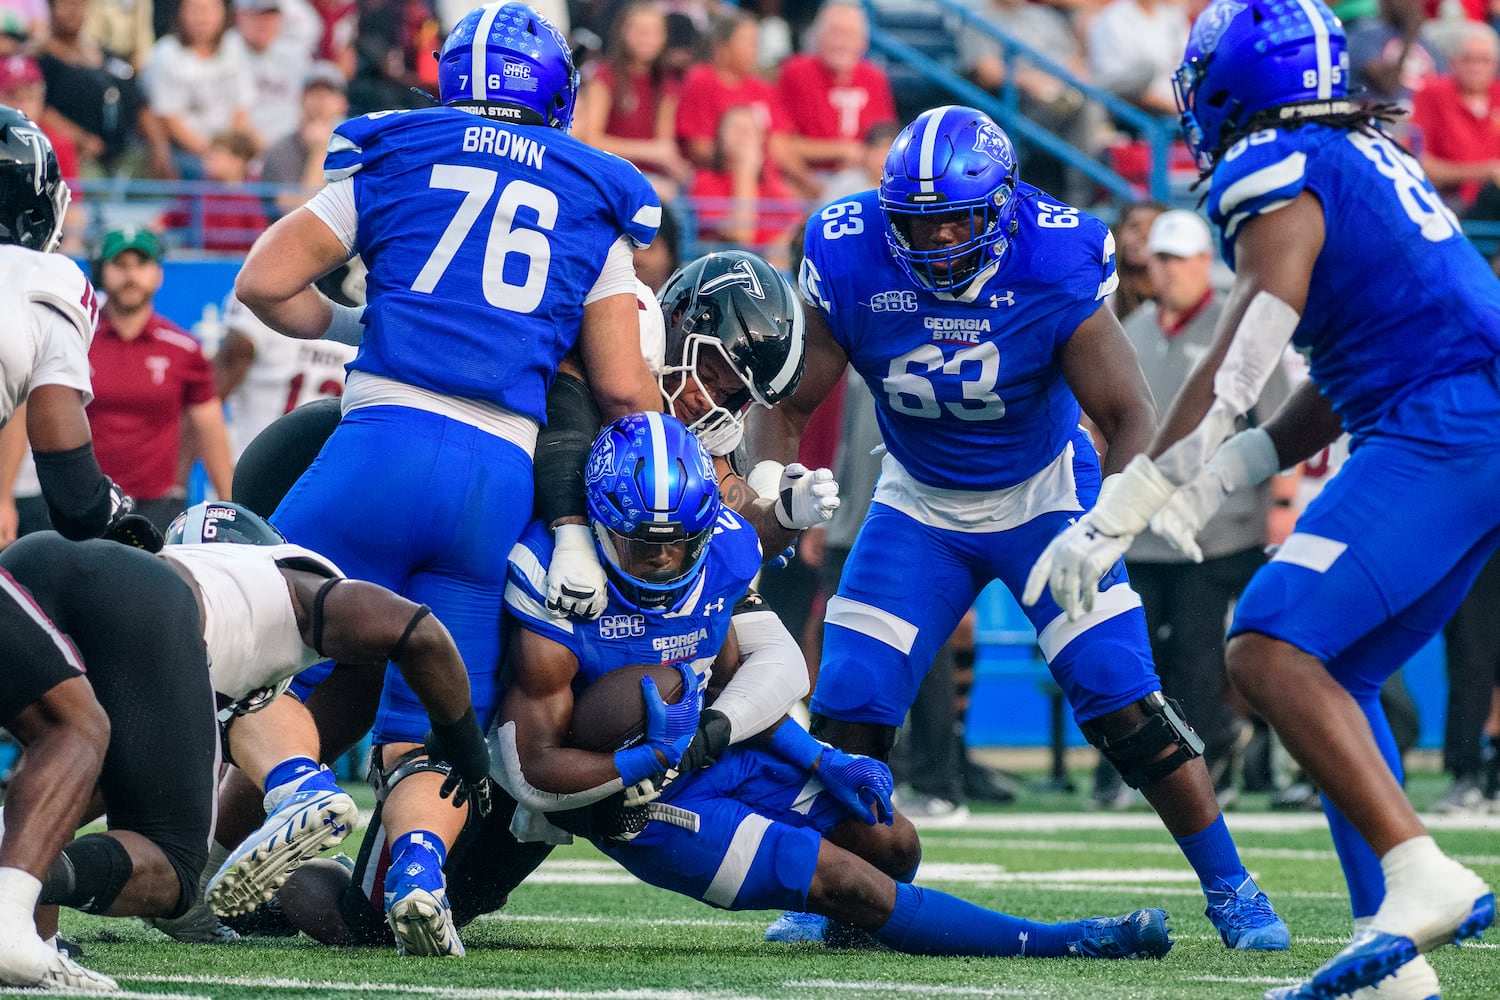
562,449
77,493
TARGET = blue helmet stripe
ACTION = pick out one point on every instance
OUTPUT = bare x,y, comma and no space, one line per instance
661,468
479,52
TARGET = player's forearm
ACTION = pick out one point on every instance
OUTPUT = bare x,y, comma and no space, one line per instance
775,434
1303,426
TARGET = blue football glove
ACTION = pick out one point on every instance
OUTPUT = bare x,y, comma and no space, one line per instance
669,730
861,784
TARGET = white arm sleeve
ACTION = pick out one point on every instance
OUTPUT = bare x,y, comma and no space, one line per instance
335,206
771,678
618,275
505,768
1253,356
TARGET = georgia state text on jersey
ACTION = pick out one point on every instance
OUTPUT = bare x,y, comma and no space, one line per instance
50,345
482,239
691,632
1436,310
972,376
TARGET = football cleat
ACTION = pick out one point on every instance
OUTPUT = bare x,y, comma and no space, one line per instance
418,912
1142,934
798,928
199,925
1244,917
1413,981
27,960
301,826
1375,954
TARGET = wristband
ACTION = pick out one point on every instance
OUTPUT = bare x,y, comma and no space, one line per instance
638,763
792,743
346,326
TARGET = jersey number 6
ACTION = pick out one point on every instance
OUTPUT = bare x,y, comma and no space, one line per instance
478,184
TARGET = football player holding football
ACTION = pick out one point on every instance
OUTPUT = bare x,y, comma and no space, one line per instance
735,804
1321,213
973,306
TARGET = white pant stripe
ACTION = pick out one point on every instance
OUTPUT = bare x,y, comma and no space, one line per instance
866,619
1310,551
1059,631
23,598
737,860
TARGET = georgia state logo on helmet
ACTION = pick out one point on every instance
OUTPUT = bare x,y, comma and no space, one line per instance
506,61
653,503
948,161
1248,56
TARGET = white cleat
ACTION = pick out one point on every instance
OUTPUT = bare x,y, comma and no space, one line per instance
27,960
423,924
66,976
302,826
1415,980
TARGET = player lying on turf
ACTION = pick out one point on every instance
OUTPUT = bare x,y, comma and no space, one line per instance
756,818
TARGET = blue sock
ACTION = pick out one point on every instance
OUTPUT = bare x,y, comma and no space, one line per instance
1361,866
928,922
1212,854
290,770
420,848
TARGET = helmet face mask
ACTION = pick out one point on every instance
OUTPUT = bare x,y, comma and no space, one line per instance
653,501
949,161
506,61
33,198
1248,56
735,335
222,521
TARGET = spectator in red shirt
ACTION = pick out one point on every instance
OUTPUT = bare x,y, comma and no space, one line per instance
23,88
1458,117
728,80
834,95
148,376
222,219
628,104
739,198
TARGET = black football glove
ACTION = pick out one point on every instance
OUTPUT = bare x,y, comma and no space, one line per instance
127,527
461,745
711,739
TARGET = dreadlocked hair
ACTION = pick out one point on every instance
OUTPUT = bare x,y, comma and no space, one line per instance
1367,118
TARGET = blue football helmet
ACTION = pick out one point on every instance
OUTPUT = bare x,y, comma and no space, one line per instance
950,159
222,521
507,61
1245,56
652,499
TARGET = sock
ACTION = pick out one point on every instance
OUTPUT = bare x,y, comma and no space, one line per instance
293,769
1362,870
929,922
18,893
1212,854
217,855
420,847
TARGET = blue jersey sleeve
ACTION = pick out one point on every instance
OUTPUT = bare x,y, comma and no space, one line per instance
526,586
634,201
1071,250
353,144
1262,172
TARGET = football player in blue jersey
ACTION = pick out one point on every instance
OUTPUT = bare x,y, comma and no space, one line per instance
972,304
769,818
1341,247
494,241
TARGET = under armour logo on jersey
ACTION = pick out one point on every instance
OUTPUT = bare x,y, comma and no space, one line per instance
714,606
739,274
1009,298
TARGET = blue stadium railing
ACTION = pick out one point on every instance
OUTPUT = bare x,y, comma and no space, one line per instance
1004,107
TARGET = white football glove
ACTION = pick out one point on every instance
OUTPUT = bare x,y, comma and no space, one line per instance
576,585
1076,560
1244,460
805,497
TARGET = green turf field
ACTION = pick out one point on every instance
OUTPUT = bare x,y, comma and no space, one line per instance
582,928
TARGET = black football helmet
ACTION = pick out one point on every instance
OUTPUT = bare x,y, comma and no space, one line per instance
222,521
33,197
736,304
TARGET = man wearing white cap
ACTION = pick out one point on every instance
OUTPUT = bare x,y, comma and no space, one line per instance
1187,603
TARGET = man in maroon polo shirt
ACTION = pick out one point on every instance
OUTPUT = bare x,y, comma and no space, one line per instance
149,374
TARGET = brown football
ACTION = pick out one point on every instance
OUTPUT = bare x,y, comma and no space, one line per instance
610,714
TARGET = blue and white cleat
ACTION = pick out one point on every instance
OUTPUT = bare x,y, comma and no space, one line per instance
1142,934
418,912
798,928
1375,954
1244,917
301,826
1415,980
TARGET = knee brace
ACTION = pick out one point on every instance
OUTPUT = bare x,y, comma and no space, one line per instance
1138,754
828,730
88,875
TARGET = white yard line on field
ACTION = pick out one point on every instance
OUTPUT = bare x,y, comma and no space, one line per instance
922,989
1248,822
448,992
